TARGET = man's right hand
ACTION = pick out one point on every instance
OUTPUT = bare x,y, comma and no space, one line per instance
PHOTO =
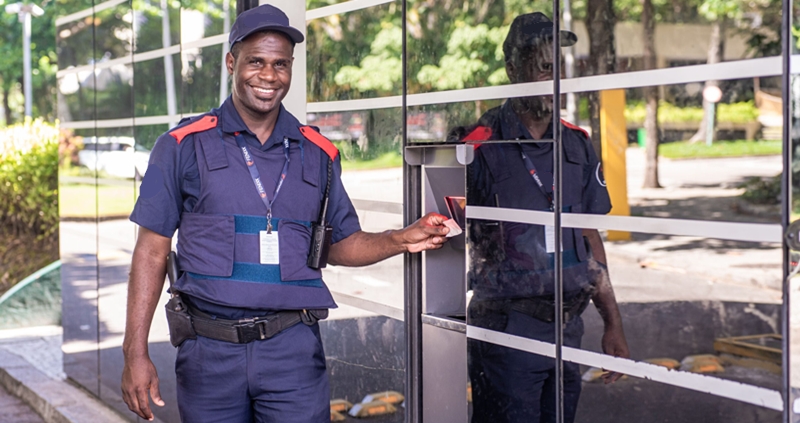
140,380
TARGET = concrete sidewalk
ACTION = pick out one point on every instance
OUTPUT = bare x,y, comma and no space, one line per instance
33,387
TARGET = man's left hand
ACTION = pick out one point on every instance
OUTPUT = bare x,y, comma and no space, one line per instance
427,233
614,344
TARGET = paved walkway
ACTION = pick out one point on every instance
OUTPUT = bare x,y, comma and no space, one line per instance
40,346
12,409
33,387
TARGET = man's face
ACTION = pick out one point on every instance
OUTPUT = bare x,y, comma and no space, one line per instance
262,73
533,64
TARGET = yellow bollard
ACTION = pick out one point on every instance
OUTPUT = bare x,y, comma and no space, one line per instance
614,140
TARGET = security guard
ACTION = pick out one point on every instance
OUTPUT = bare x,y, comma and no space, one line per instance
512,264
247,184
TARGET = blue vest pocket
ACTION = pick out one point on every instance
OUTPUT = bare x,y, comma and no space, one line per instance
294,239
205,244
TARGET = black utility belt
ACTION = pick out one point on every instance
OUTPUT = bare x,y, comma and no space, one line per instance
541,308
186,322
244,331
545,310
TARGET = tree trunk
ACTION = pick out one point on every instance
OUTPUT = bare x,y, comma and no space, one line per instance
600,23
651,98
483,10
716,50
6,107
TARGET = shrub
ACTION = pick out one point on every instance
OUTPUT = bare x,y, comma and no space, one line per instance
762,190
742,112
29,178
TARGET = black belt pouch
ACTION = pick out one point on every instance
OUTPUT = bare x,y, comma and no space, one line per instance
179,321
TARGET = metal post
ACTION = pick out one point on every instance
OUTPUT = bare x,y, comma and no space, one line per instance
25,17
786,202
412,198
24,11
558,199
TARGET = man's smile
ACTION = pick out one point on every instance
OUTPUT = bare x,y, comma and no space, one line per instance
263,91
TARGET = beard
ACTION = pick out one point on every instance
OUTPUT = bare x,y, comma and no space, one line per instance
536,107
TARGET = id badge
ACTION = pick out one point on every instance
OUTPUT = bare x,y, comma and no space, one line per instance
550,239
269,249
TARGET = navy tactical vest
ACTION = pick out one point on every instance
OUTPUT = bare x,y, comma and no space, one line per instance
218,243
508,259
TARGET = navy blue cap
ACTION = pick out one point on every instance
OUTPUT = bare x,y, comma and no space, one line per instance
262,18
529,29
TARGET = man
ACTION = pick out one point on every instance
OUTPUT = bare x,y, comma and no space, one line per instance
512,265
245,183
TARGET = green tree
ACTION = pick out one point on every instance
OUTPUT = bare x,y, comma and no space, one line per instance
43,63
720,13
381,70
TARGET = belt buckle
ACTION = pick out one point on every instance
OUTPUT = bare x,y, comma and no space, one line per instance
253,329
307,318
269,326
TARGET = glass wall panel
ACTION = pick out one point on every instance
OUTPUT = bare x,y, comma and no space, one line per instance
510,286
71,41
75,97
369,145
149,25
78,249
206,19
113,32
365,355
724,283
78,198
355,55
454,45
114,91
352,56
203,71
152,94
117,167
75,94
793,142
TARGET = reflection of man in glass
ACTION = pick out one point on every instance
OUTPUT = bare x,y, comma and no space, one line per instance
511,272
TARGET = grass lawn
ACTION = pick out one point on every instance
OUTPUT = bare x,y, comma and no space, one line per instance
80,201
739,148
386,160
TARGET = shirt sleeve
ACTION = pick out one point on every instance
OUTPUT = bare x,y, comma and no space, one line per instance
595,193
341,213
159,205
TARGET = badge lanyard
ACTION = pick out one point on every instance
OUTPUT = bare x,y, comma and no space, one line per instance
532,170
251,166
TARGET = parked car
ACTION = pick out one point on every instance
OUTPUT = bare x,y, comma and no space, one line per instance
115,156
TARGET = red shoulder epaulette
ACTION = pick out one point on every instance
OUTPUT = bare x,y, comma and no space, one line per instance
320,141
575,127
480,133
203,124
